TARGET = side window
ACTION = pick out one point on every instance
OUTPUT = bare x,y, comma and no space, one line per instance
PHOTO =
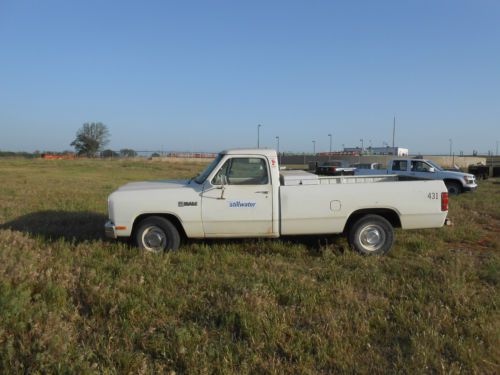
419,166
243,171
399,165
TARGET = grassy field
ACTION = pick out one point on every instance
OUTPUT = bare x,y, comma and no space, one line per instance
73,302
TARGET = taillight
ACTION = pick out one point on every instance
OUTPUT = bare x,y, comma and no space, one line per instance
444,201
333,169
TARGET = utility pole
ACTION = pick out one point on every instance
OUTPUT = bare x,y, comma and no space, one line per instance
314,147
330,154
451,145
258,135
362,144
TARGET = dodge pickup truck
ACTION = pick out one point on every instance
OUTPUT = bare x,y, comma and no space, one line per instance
418,169
243,193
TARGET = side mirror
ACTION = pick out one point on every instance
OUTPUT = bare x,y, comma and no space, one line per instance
432,169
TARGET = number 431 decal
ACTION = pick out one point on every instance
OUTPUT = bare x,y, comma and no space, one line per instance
433,195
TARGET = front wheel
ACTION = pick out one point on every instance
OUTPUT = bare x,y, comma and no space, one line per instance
157,234
371,235
453,187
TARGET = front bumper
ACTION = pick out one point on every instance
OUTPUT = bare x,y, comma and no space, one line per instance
470,187
110,230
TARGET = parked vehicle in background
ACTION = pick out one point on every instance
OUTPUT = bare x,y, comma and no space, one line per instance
420,169
243,193
481,171
334,168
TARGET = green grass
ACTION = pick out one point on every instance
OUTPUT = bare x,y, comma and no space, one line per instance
73,302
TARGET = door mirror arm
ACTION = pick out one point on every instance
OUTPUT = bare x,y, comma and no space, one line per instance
223,187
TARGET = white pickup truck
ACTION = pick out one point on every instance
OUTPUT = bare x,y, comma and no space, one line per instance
419,169
243,193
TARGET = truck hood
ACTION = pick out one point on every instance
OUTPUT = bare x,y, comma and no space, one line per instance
457,174
154,185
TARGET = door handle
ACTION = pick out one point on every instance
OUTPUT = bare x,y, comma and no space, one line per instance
262,192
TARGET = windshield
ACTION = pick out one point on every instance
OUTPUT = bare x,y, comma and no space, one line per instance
438,168
203,175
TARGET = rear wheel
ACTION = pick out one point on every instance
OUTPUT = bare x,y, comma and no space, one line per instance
371,235
157,234
453,187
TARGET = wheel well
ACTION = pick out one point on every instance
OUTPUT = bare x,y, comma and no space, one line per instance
390,215
453,180
172,218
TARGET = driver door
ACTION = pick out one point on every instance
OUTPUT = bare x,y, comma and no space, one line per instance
238,200
421,169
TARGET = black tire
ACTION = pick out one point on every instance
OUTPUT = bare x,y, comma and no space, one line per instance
157,234
454,188
371,235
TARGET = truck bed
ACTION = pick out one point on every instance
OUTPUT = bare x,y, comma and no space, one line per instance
313,204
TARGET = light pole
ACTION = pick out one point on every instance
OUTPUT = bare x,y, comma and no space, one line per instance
362,145
258,135
314,149
451,145
330,154
278,148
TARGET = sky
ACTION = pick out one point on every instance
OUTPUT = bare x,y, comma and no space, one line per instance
201,75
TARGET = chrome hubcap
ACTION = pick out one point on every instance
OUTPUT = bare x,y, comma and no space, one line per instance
372,237
154,239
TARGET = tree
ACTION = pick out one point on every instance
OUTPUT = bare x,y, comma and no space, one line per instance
128,153
90,138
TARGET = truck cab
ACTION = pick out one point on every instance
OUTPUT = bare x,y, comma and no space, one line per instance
239,195
234,196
